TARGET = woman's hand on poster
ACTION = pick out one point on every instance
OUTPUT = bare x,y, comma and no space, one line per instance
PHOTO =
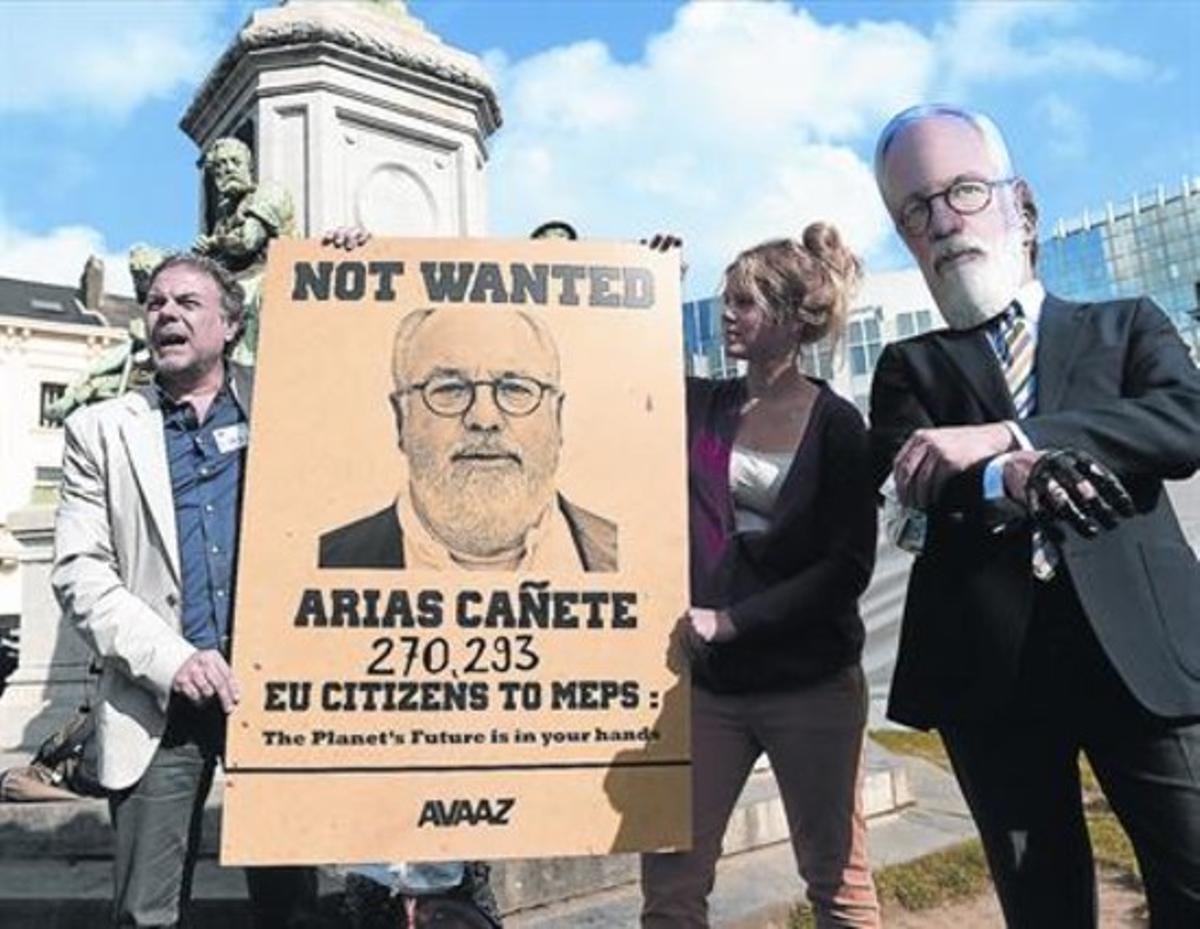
347,238
712,626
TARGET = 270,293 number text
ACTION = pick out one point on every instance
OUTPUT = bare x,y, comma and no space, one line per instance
408,653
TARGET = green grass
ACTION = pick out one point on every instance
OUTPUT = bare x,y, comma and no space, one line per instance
956,873
802,918
1110,845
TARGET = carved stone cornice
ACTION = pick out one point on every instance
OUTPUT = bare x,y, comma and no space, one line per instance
387,35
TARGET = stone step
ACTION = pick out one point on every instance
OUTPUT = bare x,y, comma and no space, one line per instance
755,889
79,829
219,899
66,846
50,893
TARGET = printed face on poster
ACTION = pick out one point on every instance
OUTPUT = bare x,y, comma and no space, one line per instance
463,551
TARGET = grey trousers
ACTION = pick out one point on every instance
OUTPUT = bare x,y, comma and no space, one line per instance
814,738
157,824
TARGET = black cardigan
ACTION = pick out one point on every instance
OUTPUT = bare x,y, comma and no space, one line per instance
791,591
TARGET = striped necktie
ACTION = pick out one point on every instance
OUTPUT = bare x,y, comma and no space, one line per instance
1015,349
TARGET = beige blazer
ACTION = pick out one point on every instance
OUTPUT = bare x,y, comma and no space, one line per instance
116,570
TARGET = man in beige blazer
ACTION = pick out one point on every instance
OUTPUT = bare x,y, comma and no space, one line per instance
145,544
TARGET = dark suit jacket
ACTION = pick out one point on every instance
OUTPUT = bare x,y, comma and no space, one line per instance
1114,379
377,541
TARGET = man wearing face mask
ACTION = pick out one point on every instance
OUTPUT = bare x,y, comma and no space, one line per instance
1054,607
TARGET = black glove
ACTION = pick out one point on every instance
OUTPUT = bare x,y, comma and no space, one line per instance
662,242
1070,485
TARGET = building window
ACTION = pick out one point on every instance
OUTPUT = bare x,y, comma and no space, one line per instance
913,323
864,344
817,359
51,393
47,474
47,481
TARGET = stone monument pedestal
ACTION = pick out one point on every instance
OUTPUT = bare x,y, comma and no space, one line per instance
359,112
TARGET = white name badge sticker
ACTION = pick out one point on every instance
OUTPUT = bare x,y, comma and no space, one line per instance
231,438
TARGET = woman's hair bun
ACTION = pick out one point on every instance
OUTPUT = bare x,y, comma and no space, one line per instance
810,280
824,243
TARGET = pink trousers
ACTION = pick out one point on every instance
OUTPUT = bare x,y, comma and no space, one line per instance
814,739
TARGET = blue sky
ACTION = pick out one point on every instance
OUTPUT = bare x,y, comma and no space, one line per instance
727,122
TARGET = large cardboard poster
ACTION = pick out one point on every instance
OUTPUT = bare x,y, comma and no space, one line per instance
463,550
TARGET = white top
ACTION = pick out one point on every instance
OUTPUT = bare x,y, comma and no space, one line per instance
755,479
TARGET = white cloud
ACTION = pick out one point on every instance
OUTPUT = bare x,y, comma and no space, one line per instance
737,125
101,59
739,122
58,256
992,41
744,121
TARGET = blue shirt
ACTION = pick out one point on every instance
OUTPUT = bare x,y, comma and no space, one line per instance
205,463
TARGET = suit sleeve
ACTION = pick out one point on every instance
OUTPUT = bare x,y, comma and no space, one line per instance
1153,428
896,413
846,519
117,625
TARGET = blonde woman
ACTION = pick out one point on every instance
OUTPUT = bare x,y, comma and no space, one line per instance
782,527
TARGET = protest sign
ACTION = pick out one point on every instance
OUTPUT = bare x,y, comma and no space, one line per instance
463,550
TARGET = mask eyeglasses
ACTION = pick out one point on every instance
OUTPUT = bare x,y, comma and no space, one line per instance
964,197
450,395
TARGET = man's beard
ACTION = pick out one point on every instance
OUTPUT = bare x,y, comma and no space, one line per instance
970,293
482,510
233,187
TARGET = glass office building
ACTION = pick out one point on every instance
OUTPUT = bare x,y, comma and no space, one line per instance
705,350
1148,246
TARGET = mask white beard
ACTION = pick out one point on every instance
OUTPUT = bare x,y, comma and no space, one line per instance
971,293
481,513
